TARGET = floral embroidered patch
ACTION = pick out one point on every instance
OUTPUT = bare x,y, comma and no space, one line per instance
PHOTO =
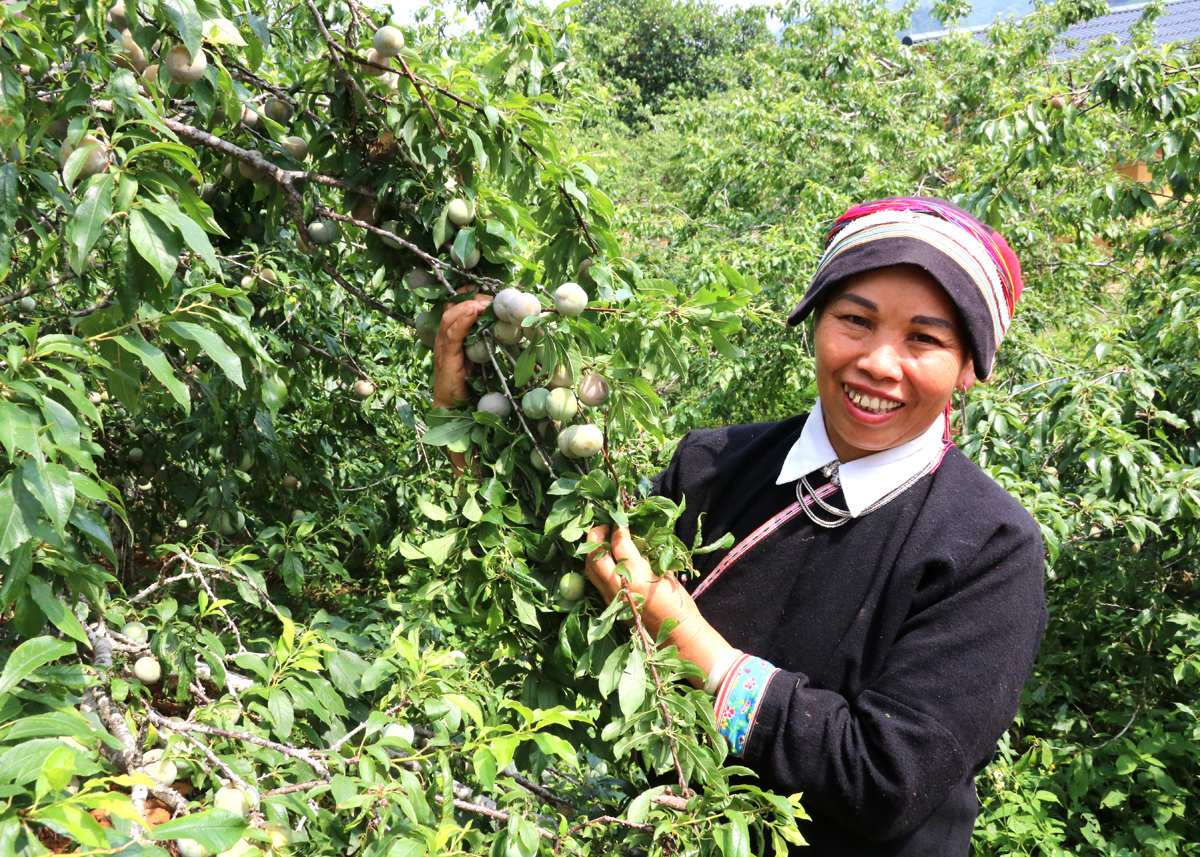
738,699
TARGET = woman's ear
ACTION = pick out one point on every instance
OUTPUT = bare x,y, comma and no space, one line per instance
966,377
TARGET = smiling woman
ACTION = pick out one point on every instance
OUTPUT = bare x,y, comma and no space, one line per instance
867,637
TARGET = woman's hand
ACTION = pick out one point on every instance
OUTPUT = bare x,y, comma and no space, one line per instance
450,364
665,598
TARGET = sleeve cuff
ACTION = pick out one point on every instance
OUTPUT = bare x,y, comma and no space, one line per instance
738,699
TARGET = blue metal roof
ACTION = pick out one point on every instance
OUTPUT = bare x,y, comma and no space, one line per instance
1179,22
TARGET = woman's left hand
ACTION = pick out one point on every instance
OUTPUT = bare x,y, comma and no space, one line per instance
665,597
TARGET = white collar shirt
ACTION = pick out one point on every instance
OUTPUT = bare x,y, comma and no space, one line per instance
868,479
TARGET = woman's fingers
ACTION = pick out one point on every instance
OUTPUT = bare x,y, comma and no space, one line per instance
623,547
450,365
601,569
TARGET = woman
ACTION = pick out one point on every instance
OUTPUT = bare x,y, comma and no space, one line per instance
867,637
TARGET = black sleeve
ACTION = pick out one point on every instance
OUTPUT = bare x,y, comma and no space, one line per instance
883,762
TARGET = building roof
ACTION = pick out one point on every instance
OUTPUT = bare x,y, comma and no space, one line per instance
1179,22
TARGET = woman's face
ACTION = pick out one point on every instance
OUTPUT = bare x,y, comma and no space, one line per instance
891,349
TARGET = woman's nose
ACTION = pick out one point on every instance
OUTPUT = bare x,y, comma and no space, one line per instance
882,361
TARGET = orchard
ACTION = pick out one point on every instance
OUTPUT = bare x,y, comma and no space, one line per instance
249,605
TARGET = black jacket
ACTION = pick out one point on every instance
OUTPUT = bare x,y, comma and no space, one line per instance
904,637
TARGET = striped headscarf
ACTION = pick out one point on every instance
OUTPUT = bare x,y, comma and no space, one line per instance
971,261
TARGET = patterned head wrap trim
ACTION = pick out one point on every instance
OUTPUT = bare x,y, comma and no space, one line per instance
972,262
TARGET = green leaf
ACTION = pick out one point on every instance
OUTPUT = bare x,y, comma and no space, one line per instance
155,242
51,484
85,226
631,690
18,430
31,655
448,433
212,345
192,234
12,105
216,829
182,15
18,516
158,366
57,612
292,570
280,706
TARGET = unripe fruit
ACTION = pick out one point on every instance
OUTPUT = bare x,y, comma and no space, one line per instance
534,403
225,524
136,454
495,403
242,848
252,172
1170,238
539,463
393,227
296,147
561,404
364,209
133,55
593,390
191,848
278,110
570,299
363,389
147,670
324,231
97,157
27,304
374,56
500,304
562,377
584,271
571,586
95,398
298,514
388,41
135,631
232,800
162,771
419,278
460,212
507,332
399,730
208,192
281,837
477,352
116,15
246,461
427,328
564,440
522,306
291,482
150,73
1057,102
470,262
249,117
182,67
586,441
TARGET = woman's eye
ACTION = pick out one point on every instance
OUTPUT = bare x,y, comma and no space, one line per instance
927,339
856,320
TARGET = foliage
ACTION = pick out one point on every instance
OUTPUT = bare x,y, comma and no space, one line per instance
216,422
657,50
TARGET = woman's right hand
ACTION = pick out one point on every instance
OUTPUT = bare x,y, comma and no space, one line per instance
450,364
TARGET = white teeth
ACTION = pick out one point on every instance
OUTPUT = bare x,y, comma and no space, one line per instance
874,404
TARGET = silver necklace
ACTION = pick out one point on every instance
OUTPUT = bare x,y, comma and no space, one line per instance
841,516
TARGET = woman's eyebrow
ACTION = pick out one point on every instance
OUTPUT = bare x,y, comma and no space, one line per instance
861,301
935,322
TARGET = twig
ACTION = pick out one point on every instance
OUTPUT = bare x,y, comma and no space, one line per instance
333,53
662,707
362,296
491,348
287,750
